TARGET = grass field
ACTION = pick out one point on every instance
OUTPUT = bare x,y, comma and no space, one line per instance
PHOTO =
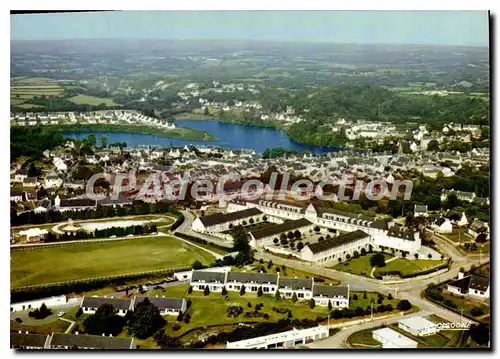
359,266
91,100
363,340
80,261
57,326
408,266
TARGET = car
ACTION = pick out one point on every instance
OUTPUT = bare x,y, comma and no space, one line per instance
60,314
130,235
112,237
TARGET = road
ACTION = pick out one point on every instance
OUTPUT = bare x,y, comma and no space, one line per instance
185,228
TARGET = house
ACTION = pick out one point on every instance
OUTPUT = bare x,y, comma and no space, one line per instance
21,175
85,341
74,204
338,296
186,275
442,225
420,210
461,195
219,222
289,339
16,196
90,305
391,339
28,341
75,184
30,182
33,235
473,285
166,306
52,180
418,326
252,282
477,226
215,281
301,287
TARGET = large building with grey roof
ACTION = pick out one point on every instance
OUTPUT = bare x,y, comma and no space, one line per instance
219,222
29,341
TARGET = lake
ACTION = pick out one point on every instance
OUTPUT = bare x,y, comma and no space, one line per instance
227,135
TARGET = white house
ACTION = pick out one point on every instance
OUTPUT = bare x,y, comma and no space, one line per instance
252,282
90,305
338,296
301,287
473,285
391,339
186,275
215,281
420,210
418,326
442,225
33,235
219,222
166,306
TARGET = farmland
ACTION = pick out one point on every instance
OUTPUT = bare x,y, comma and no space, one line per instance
91,100
88,260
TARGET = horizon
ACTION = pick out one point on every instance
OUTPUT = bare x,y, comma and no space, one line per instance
438,28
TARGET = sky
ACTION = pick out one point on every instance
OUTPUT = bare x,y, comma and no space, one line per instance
462,28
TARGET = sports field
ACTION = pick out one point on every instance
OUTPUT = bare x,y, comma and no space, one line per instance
80,261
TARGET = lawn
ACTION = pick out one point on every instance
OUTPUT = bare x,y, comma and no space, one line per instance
91,100
408,266
363,339
57,326
359,266
88,260
429,341
287,272
458,235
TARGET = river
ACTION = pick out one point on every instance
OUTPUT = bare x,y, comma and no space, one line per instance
227,135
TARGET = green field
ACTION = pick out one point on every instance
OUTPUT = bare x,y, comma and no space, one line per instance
408,266
91,100
363,339
87,260
359,266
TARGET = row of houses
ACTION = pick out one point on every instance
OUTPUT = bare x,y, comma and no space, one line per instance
303,288
28,341
166,306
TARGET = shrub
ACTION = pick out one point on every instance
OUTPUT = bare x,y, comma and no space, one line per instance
249,305
224,291
276,240
234,311
355,297
477,311
79,312
450,303
404,304
389,296
190,290
379,301
242,290
294,297
266,316
176,327
377,260
206,291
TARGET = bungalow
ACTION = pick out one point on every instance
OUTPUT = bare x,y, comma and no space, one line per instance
21,175
75,184
252,282
418,326
442,225
166,306
477,226
219,222
473,285
420,210
301,287
338,296
31,181
29,341
52,180
33,235
85,341
215,281
461,195
75,204
16,196
90,305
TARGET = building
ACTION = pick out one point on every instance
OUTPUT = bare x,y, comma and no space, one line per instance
166,306
16,196
461,195
252,282
33,235
338,296
473,285
186,275
29,341
219,222
301,287
266,235
85,341
442,225
391,339
420,210
90,305
215,281
335,248
37,303
477,227
418,326
289,339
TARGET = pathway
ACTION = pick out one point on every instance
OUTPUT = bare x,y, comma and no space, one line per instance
373,269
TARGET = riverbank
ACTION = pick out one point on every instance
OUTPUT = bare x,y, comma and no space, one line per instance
182,133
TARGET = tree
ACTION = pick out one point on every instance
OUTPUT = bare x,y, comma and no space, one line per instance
294,297
269,264
481,238
206,291
363,252
190,289
251,221
300,245
197,265
355,297
416,255
321,239
277,295
289,235
104,321
404,304
365,295
297,234
104,141
312,303
477,311
242,290
389,296
206,112
377,260
146,320
79,313
480,333
289,316
284,242
329,305
224,291
433,145
264,218
429,256
259,292
276,240
316,229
